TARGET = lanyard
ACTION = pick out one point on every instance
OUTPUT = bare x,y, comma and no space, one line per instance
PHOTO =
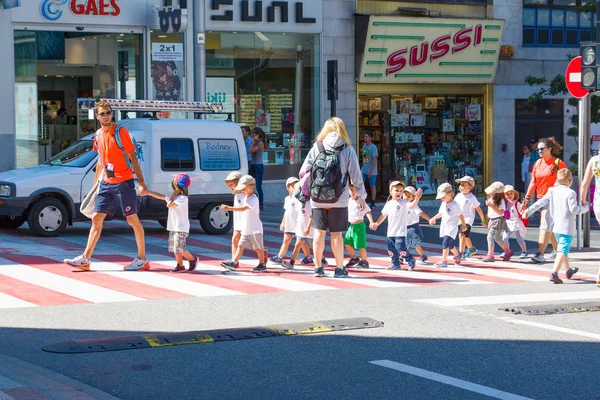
106,140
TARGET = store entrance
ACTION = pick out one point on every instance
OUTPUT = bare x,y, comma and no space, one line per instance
57,73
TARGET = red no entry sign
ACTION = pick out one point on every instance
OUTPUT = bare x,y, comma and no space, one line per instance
573,78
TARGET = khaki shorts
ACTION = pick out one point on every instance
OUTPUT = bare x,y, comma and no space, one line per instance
253,241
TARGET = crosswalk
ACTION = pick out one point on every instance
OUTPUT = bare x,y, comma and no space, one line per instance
32,273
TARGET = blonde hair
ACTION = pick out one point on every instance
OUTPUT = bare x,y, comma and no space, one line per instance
563,176
334,124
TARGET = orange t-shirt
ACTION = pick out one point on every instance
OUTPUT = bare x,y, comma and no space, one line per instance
114,155
544,174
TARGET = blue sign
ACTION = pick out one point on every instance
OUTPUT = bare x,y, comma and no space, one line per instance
219,154
49,9
11,4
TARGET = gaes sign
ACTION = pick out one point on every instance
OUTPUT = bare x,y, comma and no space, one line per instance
52,10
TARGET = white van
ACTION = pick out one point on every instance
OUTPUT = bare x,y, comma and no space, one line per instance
48,196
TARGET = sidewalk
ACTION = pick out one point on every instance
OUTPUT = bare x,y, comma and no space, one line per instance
20,380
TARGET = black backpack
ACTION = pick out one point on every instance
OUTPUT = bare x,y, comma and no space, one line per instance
327,181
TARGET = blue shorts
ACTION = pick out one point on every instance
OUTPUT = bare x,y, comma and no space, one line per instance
372,181
448,242
120,194
564,243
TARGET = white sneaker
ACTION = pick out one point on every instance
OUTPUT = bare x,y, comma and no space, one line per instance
538,257
137,265
552,256
78,262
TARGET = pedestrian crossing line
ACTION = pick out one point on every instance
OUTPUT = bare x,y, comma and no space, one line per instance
140,290
68,286
513,298
14,292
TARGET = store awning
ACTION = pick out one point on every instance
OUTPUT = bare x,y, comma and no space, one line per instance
395,49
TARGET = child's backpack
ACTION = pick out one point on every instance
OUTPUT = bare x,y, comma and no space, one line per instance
327,181
507,207
524,220
139,152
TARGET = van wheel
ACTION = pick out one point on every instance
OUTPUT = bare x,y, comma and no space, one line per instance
215,221
11,223
48,217
162,222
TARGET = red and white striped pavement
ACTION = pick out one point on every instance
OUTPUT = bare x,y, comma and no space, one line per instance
32,272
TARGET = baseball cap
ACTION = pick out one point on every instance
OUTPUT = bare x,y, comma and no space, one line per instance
396,183
509,188
245,181
233,176
443,189
468,179
410,190
183,180
496,187
290,180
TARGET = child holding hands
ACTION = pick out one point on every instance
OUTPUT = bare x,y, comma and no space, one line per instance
469,205
450,213
414,234
497,227
356,236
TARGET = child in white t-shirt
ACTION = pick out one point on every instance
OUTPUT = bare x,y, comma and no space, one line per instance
414,234
356,236
303,230
515,221
396,210
178,222
469,205
496,223
252,229
451,213
238,198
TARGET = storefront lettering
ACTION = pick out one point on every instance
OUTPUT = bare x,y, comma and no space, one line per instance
257,15
440,47
52,9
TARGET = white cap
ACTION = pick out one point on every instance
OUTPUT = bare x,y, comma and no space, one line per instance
410,190
290,180
496,187
245,181
443,189
396,183
233,176
468,179
509,188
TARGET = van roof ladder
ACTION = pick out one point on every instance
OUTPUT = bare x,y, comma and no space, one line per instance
154,106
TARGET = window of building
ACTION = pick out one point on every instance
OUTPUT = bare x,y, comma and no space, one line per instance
177,154
555,23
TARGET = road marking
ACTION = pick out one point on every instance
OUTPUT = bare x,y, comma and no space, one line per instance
7,301
512,298
552,328
448,380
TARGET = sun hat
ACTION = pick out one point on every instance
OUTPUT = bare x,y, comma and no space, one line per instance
233,176
468,179
410,190
290,180
496,187
396,183
509,188
245,181
183,180
443,189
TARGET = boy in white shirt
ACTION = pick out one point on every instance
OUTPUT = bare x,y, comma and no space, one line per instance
562,205
356,236
397,210
414,233
451,213
469,205
238,198
252,229
303,230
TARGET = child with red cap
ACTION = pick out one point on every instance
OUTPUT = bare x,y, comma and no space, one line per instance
178,222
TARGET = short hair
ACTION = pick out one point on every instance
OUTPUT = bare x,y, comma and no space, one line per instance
563,176
369,134
102,104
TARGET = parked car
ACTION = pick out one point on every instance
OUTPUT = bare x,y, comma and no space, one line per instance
48,196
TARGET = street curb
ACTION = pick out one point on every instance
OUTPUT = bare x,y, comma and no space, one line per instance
52,384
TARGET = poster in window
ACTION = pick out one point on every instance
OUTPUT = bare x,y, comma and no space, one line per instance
401,120
287,120
473,112
166,71
431,102
448,125
221,90
417,120
415,108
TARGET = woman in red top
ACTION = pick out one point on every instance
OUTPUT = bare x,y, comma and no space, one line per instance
543,177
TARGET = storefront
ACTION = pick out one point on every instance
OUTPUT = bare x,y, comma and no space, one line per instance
425,92
263,60
65,54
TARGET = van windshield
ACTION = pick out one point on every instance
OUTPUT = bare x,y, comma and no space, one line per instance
78,155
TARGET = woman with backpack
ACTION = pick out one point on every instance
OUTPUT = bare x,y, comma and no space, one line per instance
332,163
543,177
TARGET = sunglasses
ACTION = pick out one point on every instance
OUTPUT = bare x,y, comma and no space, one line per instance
525,148
105,114
541,149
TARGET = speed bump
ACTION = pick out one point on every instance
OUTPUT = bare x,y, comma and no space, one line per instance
547,309
155,340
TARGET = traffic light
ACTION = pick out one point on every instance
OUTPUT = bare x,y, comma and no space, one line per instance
589,68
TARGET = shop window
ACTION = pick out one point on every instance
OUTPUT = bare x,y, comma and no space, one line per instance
177,154
555,23
271,81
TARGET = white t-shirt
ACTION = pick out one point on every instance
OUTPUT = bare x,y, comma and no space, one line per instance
397,214
238,201
493,214
515,223
450,213
354,211
413,216
178,219
291,214
251,222
468,203
304,211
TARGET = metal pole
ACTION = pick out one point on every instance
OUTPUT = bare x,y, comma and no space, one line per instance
200,51
585,105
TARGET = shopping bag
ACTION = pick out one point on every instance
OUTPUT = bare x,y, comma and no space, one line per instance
89,201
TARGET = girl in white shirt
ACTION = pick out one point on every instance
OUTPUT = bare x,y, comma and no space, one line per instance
178,222
414,233
515,221
496,222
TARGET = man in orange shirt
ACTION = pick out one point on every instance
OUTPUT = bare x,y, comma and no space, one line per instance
117,188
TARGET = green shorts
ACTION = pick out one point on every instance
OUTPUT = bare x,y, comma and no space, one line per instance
356,236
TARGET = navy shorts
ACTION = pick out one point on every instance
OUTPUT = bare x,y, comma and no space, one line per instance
120,194
467,233
448,242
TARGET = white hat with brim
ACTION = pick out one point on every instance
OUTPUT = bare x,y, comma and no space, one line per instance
496,187
245,181
467,179
442,190
509,188
396,183
233,176
410,190
291,180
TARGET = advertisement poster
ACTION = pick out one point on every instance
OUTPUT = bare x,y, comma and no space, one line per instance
27,115
166,71
219,154
221,90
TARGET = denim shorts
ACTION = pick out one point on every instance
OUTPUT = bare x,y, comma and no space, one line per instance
118,195
448,242
372,181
